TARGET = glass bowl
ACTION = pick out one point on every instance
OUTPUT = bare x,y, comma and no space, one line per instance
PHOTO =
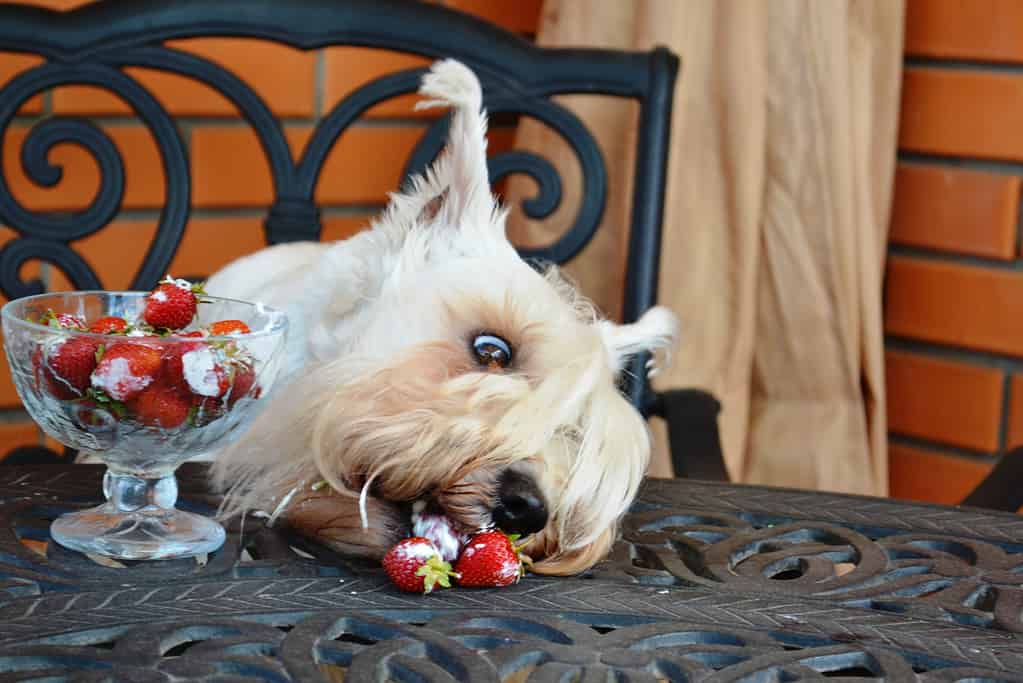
142,404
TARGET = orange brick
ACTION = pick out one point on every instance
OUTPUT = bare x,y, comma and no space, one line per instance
521,16
962,113
989,30
282,76
230,170
952,209
15,434
62,5
8,394
917,474
11,64
209,244
347,68
943,401
343,227
954,304
144,181
1014,437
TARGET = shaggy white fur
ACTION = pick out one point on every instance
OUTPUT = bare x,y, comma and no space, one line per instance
384,385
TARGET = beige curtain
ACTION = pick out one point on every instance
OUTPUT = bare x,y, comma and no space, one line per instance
781,167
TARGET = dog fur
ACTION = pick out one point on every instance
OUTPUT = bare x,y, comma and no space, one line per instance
384,400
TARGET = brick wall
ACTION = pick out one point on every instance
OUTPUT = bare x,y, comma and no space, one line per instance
231,179
954,286
954,282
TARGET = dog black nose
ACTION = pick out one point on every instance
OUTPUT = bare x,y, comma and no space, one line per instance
520,507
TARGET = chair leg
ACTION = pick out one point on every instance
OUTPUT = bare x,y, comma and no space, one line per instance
1001,488
692,417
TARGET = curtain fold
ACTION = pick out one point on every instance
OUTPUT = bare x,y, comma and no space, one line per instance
780,179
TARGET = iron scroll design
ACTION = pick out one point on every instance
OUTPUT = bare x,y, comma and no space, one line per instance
47,237
94,44
264,608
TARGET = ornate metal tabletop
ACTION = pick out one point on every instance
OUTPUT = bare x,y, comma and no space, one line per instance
710,582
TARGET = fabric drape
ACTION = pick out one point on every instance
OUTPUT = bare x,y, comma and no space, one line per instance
781,167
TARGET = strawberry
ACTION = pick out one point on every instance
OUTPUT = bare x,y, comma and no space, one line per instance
222,328
159,405
490,559
415,566
195,367
67,365
172,305
62,321
173,367
125,369
244,383
96,412
205,410
109,325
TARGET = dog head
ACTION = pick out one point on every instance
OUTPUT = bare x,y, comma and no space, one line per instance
451,380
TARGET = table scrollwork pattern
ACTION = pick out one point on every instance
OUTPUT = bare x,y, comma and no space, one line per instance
736,584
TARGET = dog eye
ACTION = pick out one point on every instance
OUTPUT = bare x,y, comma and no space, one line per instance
492,351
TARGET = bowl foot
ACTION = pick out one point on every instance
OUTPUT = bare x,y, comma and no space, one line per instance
145,534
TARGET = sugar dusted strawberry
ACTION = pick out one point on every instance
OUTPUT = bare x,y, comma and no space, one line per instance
173,366
222,328
109,325
159,405
200,369
66,366
415,566
172,305
243,383
63,321
490,559
125,369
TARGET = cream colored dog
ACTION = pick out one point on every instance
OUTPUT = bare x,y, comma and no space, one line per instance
437,383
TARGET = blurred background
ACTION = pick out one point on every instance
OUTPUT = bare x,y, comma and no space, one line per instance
842,230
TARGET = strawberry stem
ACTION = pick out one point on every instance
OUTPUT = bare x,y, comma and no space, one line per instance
436,572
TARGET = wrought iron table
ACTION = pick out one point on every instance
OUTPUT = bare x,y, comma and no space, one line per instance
711,582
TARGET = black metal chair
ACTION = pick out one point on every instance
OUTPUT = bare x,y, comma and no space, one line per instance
93,44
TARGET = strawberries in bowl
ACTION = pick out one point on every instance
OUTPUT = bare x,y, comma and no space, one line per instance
142,381
166,362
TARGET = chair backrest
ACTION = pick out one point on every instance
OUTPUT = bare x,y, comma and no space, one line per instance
93,45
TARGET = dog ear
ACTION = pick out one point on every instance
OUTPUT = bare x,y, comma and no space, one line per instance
459,179
657,330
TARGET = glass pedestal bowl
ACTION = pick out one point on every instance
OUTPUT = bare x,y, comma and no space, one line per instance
142,410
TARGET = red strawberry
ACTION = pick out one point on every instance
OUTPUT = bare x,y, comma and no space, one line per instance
173,369
172,305
196,368
206,410
159,405
109,325
95,416
242,386
222,328
490,559
415,566
67,366
63,321
125,369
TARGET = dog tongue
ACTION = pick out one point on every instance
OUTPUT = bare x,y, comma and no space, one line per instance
439,529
